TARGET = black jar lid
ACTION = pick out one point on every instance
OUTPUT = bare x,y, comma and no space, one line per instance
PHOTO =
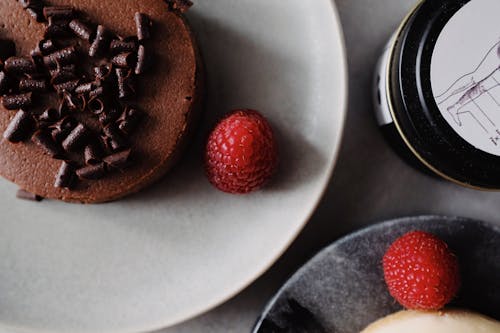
415,110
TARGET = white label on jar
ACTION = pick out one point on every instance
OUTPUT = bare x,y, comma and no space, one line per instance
465,74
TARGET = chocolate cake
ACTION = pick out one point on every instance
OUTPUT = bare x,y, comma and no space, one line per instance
97,101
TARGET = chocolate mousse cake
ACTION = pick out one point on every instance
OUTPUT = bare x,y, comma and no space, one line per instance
98,97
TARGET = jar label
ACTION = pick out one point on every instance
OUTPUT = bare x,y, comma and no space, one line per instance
465,74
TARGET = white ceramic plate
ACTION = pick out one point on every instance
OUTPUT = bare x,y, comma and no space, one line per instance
181,247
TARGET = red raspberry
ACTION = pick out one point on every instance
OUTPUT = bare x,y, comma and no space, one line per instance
241,153
421,272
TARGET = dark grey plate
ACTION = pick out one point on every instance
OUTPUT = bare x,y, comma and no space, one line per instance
342,290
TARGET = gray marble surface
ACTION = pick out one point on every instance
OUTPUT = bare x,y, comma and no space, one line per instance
370,183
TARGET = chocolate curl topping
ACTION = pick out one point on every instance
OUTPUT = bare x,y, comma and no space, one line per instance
47,46
103,72
109,116
62,57
25,195
144,24
5,83
66,70
65,176
125,83
92,172
36,13
124,60
84,88
76,139
129,120
57,29
62,76
45,141
92,154
114,138
73,102
68,87
7,49
100,43
62,129
20,127
120,160
33,85
143,60
97,92
16,102
126,45
19,65
49,116
59,12
96,106
81,29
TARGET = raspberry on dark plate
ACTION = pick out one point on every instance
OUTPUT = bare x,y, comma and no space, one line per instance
421,272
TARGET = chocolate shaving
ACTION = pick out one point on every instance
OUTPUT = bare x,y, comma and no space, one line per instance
69,86
16,102
20,127
5,83
62,129
65,177
62,57
97,92
38,61
76,139
36,13
144,24
57,29
102,72
47,46
92,154
84,88
59,12
124,60
100,43
96,106
25,195
126,45
81,29
47,143
143,60
48,116
7,49
109,116
75,102
68,70
33,85
92,171
19,65
129,120
125,83
179,5
113,138
120,160
63,76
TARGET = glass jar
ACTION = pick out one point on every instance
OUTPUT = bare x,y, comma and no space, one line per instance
438,90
